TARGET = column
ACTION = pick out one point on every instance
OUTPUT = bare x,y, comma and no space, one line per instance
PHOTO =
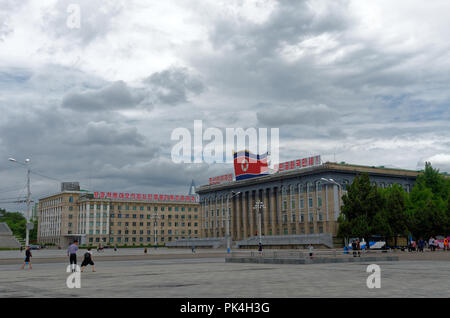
107,219
238,216
273,209
252,212
266,212
245,214
87,219
101,219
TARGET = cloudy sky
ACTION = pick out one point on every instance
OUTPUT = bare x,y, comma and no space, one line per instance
365,82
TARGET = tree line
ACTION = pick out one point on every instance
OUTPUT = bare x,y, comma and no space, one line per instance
391,212
17,224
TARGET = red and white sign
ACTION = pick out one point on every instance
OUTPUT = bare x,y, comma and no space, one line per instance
145,196
221,179
299,163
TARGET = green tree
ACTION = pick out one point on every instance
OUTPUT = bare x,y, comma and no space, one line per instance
16,222
395,211
361,204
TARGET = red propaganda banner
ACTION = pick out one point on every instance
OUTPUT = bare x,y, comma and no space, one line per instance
299,163
221,179
146,197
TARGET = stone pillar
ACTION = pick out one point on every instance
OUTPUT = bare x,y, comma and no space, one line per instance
273,211
251,213
245,213
265,225
238,216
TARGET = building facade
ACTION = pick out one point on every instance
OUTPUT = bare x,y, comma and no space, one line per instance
92,220
299,201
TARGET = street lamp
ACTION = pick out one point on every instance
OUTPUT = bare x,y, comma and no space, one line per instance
258,206
29,225
339,191
155,216
228,219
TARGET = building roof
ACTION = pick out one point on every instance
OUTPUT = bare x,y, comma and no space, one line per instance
326,167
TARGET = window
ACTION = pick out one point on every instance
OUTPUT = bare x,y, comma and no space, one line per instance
319,201
134,216
302,203
119,239
141,208
134,208
310,200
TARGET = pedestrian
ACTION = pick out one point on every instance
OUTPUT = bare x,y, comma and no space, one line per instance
311,251
87,260
358,247
260,247
445,244
193,249
145,250
72,253
27,258
354,248
115,248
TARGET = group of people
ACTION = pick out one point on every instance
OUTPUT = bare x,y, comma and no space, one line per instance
356,248
87,257
432,243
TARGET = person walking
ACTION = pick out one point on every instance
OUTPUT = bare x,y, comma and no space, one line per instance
87,260
27,258
72,253
358,247
193,249
354,247
445,244
311,251
145,250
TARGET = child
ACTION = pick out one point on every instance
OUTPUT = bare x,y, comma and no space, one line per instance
88,260
27,258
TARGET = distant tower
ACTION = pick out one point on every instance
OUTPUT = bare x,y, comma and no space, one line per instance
192,188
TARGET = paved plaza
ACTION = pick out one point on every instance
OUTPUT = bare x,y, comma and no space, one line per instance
178,273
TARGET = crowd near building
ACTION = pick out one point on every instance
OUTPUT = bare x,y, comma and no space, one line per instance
101,218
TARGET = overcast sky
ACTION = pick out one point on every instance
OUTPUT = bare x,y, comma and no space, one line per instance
365,82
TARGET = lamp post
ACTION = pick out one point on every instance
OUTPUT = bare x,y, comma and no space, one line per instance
228,220
155,216
29,225
257,207
339,191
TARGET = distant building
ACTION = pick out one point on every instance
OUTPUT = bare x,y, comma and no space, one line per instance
116,218
296,201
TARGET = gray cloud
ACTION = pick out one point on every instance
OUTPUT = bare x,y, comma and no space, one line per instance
173,85
112,97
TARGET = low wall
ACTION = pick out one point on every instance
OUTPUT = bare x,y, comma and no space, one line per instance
265,260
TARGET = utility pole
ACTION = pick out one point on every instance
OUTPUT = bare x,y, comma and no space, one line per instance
29,225
257,207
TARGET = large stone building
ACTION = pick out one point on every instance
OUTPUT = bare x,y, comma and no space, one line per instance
298,201
95,218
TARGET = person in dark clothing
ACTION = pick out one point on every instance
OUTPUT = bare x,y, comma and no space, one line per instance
354,248
260,247
27,258
88,260
358,248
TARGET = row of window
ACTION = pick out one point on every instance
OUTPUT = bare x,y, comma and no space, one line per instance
142,208
133,239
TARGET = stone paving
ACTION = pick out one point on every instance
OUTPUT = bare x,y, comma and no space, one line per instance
212,277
